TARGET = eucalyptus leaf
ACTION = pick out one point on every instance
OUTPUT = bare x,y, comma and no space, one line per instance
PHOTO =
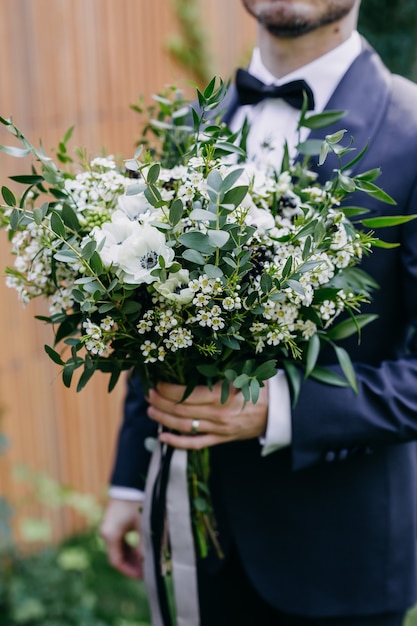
53,355
57,225
313,352
218,238
197,241
200,215
8,196
213,271
193,256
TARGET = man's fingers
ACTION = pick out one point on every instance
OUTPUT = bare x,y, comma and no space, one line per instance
192,442
126,559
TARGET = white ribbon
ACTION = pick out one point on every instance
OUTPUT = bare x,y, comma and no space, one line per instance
184,569
146,538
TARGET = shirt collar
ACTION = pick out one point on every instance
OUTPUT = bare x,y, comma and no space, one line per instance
323,74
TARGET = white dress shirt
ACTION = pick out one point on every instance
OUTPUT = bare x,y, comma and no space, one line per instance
273,121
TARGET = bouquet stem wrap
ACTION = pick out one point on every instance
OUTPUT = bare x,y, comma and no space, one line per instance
167,488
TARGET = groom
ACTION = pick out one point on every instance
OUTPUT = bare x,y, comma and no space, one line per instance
316,504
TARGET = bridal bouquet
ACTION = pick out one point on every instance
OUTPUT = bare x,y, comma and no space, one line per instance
189,264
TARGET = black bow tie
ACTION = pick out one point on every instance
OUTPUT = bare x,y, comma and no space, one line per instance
251,91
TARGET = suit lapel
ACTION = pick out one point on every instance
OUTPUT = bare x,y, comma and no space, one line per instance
363,93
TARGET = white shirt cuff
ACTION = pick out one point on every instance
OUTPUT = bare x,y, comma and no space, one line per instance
278,430
126,493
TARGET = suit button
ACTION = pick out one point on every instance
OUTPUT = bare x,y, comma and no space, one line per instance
343,454
330,456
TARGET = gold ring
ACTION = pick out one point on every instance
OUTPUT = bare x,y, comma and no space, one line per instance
195,425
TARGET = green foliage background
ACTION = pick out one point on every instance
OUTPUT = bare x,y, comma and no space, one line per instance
391,28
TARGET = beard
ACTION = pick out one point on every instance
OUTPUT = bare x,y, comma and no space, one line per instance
285,21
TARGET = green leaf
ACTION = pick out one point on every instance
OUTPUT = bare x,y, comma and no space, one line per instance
375,191
15,152
266,370
336,137
350,326
346,183
208,92
28,179
96,263
85,376
153,174
202,215
294,379
387,220
347,367
115,375
53,355
37,215
266,283
213,271
14,219
353,211
230,179
324,151
197,241
310,147
70,218
176,211
8,196
209,370
235,196
313,352
225,391
57,225
66,256
88,250
287,268
230,342
321,120
369,175
68,373
241,381
378,243
218,238
129,306
324,375
254,388
194,257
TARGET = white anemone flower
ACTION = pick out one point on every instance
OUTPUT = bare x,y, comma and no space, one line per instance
114,234
134,206
139,254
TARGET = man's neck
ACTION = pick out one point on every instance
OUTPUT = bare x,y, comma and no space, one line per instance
284,55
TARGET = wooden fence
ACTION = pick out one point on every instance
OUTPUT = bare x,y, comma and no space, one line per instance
82,62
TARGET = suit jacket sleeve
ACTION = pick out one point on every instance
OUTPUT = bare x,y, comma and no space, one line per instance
132,455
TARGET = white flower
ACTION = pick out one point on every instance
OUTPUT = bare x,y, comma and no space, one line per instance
107,323
134,206
133,248
139,254
176,287
260,218
112,234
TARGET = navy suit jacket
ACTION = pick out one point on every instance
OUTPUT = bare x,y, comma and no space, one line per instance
328,525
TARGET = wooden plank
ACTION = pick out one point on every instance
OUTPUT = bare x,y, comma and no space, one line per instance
82,63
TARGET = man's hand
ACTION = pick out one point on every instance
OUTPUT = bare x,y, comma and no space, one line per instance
203,414
121,517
